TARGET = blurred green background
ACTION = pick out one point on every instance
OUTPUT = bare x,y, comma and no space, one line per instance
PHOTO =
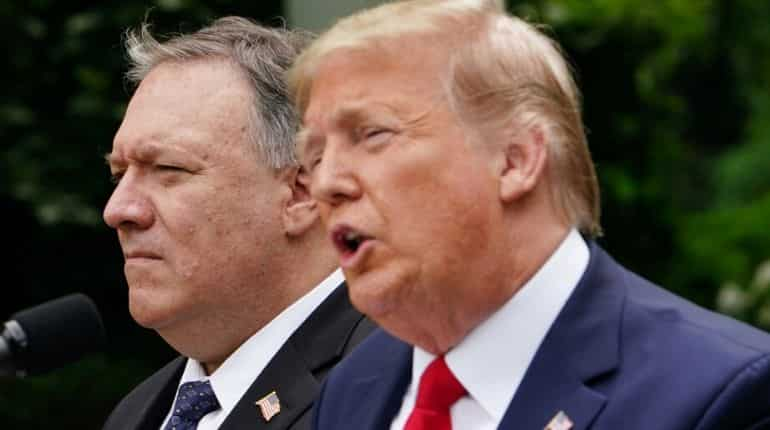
677,103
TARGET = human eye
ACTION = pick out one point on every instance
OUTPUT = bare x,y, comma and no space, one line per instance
311,155
374,134
171,168
374,131
171,173
312,161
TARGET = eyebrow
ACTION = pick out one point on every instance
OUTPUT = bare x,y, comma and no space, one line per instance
144,152
306,139
356,112
350,113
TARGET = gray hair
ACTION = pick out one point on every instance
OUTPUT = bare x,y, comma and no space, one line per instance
262,54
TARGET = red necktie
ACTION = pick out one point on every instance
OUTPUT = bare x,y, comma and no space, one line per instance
438,391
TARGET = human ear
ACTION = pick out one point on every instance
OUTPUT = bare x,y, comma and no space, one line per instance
524,159
300,211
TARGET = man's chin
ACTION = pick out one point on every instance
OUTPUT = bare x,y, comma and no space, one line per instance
372,298
146,318
377,293
148,313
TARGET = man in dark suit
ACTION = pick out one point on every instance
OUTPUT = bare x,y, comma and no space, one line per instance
450,165
224,254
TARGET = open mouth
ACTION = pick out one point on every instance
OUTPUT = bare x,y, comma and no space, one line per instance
348,241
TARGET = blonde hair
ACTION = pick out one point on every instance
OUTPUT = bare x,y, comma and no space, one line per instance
501,72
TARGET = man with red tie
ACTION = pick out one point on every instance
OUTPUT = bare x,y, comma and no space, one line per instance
447,153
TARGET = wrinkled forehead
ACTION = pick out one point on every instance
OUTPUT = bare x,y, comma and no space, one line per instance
358,89
189,104
404,50
353,85
400,65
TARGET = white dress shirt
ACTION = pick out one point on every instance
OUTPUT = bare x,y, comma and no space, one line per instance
231,380
492,359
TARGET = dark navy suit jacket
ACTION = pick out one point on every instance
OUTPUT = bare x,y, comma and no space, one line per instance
623,354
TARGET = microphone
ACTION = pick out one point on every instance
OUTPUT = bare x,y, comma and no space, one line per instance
50,335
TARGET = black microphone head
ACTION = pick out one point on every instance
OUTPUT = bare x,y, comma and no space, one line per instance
58,332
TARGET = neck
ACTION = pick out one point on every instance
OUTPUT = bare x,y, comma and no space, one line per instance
535,248
211,367
522,257
214,340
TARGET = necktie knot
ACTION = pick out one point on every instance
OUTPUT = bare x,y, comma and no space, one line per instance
193,401
439,389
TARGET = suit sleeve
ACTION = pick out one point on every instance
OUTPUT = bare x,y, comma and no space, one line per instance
744,403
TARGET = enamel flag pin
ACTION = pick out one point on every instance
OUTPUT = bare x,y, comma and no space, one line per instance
270,406
559,422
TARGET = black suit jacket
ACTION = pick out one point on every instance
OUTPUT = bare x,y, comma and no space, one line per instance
295,373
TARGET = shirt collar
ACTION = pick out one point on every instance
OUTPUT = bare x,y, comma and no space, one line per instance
231,380
491,366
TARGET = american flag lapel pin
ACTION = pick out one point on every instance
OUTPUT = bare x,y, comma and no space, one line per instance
559,422
270,406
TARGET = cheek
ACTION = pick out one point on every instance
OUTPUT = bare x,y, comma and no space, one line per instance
442,212
323,212
197,232
226,236
379,292
155,293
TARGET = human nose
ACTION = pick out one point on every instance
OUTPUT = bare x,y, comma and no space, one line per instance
334,180
128,207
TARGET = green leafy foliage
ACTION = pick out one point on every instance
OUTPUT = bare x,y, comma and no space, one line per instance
678,108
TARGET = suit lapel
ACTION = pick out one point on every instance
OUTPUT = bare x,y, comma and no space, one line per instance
294,384
581,346
546,391
157,398
294,373
387,379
